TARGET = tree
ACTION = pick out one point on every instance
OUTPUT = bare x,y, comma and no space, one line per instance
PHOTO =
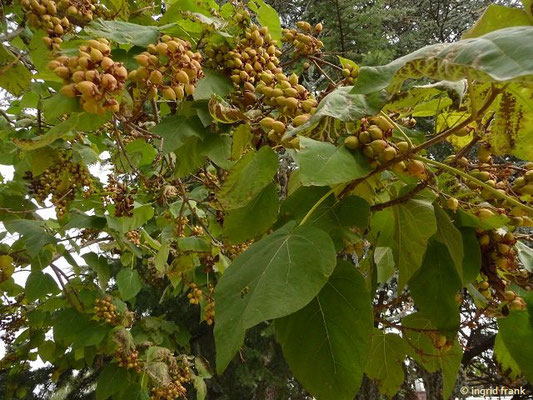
216,229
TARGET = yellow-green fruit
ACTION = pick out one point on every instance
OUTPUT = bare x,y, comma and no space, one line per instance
383,123
378,145
351,142
180,93
156,77
517,221
388,153
106,63
278,126
368,151
346,72
509,295
169,94
90,106
462,132
267,122
518,304
364,137
452,203
484,154
143,59
62,72
96,55
300,119
484,285
528,189
399,168
528,176
403,147
503,248
416,168
375,132
484,240
190,89
485,213
182,77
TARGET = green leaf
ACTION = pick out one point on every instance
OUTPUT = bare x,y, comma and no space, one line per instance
344,106
140,216
326,343
472,257
500,56
425,353
242,138
47,350
434,287
39,285
498,17
528,6
129,283
192,243
275,277
58,105
323,164
34,234
123,32
385,361
516,332
176,130
14,76
505,360
253,219
141,153
525,254
212,82
414,224
449,235
268,17
112,380
248,178
54,133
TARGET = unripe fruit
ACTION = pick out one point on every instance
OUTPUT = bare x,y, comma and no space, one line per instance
169,94
300,119
182,77
62,72
389,153
267,122
484,154
484,240
318,27
162,48
485,213
441,341
291,103
346,72
518,304
190,89
351,142
121,72
156,77
509,295
142,59
383,123
52,65
378,145
90,106
106,63
375,132
462,132
416,168
180,93
368,151
109,82
403,147
278,126
96,55
528,176
484,285
78,76
504,249
528,189
364,137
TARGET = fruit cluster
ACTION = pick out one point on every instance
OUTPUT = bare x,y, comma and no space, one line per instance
209,309
373,137
62,180
179,226
169,68
93,77
12,320
254,54
128,359
303,40
106,311
151,275
134,237
58,18
350,73
195,294
120,196
500,268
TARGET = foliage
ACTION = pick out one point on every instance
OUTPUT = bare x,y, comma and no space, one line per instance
243,208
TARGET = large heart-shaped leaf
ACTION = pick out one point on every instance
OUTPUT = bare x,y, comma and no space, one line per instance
501,56
275,277
326,343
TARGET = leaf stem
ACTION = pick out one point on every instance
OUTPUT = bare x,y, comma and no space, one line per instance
475,180
317,204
